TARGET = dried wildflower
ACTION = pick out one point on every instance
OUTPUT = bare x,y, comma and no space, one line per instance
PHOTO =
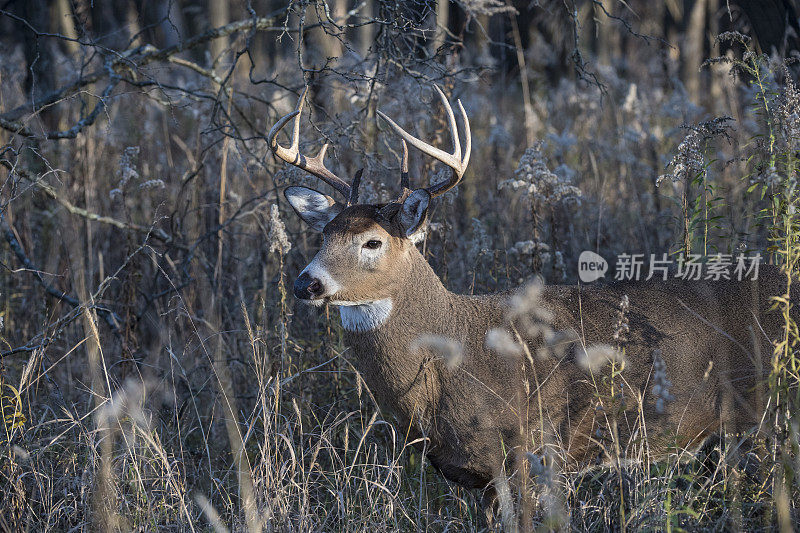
528,248
538,182
127,166
661,384
788,113
450,350
529,316
530,255
278,239
559,267
689,163
480,244
152,184
501,341
621,326
733,37
595,357
527,301
126,172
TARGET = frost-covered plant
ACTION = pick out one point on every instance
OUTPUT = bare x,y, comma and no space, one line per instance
449,350
661,383
527,320
689,166
480,245
523,253
621,326
127,171
788,114
278,239
545,191
151,184
593,358
689,163
538,183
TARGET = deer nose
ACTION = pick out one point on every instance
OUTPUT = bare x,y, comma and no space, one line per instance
307,288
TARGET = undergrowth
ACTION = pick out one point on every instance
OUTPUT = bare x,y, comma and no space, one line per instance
221,404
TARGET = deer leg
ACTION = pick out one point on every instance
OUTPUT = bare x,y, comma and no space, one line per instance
489,508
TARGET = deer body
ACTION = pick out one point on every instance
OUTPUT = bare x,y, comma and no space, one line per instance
474,414
424,395
711,339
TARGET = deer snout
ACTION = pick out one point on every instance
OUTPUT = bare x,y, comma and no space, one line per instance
307,287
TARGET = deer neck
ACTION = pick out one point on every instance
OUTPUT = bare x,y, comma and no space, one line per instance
384,354
415,303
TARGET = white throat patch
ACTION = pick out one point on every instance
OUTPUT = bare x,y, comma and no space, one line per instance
362,317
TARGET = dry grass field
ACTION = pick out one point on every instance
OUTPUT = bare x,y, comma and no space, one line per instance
156,372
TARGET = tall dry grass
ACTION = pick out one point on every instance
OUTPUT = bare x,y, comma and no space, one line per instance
209,400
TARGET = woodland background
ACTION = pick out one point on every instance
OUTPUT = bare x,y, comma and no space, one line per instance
155,373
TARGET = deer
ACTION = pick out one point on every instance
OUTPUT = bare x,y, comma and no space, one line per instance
712,338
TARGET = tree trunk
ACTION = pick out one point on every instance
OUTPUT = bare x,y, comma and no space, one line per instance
693,50
366,33
442,16
218,15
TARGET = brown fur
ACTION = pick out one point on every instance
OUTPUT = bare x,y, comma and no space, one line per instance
473,415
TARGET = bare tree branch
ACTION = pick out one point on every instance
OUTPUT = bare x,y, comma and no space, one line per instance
107,315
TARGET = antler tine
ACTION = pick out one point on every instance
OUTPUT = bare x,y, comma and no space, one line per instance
292,155
405,183
467,137
353,198
452,119
455,161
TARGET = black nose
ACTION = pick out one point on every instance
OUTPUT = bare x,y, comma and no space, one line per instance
307,288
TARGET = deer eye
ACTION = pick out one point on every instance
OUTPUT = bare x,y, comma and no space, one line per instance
373,244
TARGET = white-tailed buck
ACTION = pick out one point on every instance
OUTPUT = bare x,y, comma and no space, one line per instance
712,339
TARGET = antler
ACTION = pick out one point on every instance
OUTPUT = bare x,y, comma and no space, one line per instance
455,160
312,165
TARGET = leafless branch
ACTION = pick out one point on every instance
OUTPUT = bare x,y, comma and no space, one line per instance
108,316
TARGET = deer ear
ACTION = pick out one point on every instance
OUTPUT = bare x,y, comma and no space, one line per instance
414,210
316,209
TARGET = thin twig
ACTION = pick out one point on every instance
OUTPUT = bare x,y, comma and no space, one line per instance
108,316
134,58
156,233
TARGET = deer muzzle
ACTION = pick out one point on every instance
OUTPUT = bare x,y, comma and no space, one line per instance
307,287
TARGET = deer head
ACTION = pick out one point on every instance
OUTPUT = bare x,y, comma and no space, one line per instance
366,247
